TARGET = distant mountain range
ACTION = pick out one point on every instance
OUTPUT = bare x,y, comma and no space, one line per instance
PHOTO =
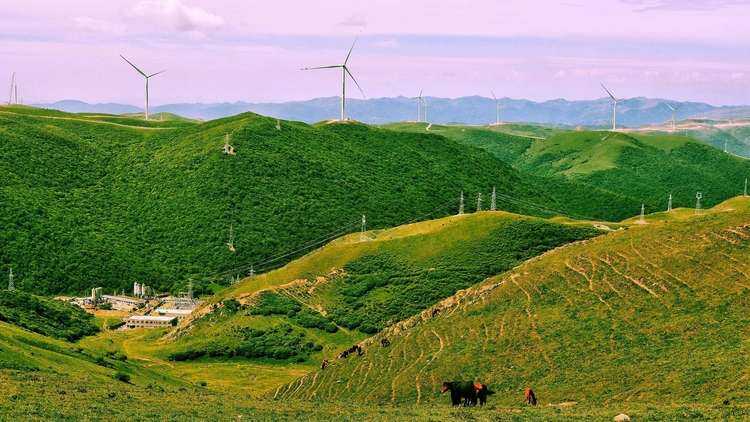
470,110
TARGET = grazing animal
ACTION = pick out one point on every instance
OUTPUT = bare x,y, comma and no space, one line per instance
350,351
324,364
460,390
385,342
482,393
435,312
530,397
344,354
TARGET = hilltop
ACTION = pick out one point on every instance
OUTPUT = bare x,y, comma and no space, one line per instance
101,200
473,110
647,315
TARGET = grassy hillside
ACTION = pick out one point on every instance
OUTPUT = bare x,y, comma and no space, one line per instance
639,167
96,200
640,317
334,297
49,317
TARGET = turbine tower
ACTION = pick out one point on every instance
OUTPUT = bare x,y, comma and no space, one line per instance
12,86
145,76
420,100
344,71
497,108
674,109
426,106
614,110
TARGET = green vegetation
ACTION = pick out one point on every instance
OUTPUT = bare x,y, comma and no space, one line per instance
49,317
636,168
645,315
95,200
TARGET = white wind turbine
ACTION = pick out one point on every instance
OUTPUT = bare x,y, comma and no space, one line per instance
145,76
614,110
344,71
426,106
420,100
674,109
497,108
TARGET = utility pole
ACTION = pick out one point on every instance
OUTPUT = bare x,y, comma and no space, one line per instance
643,208
698,197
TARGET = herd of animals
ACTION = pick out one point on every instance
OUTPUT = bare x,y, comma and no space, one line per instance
464,393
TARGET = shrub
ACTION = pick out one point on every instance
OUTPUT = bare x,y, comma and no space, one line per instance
105,306
121,376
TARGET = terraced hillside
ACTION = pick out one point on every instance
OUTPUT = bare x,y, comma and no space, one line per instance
97,200
350,288
653,314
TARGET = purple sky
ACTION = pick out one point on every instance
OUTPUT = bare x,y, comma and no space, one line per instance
252,50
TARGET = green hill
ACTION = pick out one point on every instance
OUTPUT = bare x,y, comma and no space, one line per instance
641,168
637,318
329,300
94,200
49,317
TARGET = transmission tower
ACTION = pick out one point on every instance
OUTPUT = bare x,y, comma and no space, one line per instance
231,239
278,124
698,197
725,145
669,204
10,281
493,203
479,202
461,205
745,194
251,272
643,208
190,288
362,236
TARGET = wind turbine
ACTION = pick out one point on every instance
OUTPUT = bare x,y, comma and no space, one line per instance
344,71
674,109
145,76
497,108
614,110
420,100
12,85
426,106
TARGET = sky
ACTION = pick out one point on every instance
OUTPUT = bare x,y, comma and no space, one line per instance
254,50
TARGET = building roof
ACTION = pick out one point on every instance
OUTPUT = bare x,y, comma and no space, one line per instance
121,299
150,318
175,311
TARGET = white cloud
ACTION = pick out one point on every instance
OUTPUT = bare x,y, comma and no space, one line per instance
355,20
175,15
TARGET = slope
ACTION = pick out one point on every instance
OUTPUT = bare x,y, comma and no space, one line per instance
653,314
333,297
95,200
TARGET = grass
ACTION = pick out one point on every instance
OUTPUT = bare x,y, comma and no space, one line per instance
642,316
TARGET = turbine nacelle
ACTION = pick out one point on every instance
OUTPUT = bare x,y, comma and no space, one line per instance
145,76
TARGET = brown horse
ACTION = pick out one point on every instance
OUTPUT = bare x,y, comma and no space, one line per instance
324,364
385,343
530,397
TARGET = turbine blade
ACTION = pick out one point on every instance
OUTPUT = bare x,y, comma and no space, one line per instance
350,50
678,106
673,109
139,70
323,67
610,95
355,82
493,96
154,74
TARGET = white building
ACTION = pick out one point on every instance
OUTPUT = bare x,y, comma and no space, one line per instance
180,314
149,321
